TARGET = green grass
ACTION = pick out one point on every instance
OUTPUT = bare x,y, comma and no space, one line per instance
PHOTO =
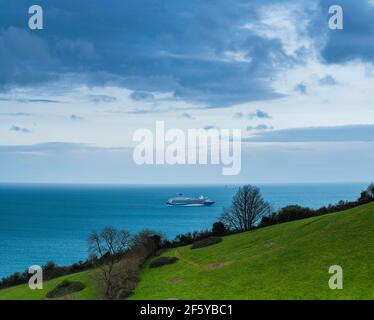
287,261
23,292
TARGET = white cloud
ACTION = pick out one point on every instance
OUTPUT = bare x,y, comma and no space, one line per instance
286,22
237,56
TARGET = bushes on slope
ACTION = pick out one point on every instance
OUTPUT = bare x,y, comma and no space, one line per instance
206,242
162,261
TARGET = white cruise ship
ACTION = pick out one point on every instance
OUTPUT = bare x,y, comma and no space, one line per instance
182,201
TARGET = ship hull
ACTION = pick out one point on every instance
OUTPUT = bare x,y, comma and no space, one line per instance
189,204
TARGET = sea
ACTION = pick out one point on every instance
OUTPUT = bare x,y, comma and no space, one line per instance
42,222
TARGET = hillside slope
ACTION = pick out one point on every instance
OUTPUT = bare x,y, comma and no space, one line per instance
287,261
22,292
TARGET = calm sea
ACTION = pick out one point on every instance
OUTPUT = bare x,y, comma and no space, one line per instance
40,223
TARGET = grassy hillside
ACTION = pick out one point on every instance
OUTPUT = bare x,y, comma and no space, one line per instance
287,261
22,292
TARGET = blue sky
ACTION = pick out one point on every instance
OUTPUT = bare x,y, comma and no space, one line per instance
72,94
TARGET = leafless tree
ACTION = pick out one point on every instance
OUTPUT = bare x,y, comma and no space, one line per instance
247,209
106,249
370,191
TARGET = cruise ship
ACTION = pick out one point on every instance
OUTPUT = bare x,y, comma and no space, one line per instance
182,201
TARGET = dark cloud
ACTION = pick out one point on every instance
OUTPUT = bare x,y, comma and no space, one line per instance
141,96
19,129
259,114
301,88
318,134
351,43
76,117
328,81
238,115
101,98
146,46
80,48
16,114
187,115
175,46
259,127
24,57
25,100
209,127
38,101
22,114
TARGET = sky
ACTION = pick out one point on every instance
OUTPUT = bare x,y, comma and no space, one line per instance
73,94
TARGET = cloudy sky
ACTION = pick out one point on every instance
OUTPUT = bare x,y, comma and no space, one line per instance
72,94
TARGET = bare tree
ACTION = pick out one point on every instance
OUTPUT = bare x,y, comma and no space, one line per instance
370,191
106,248
247,209
368,194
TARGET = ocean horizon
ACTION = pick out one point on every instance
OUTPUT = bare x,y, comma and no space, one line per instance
51,222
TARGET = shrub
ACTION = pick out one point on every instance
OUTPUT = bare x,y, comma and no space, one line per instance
161,261
206,242
219,228
127,277
64,288
50,271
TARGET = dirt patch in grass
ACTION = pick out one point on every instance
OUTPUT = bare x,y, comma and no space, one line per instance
176,280
218,264
268,244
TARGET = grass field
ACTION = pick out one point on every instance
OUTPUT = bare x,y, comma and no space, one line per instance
22,292
287,261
